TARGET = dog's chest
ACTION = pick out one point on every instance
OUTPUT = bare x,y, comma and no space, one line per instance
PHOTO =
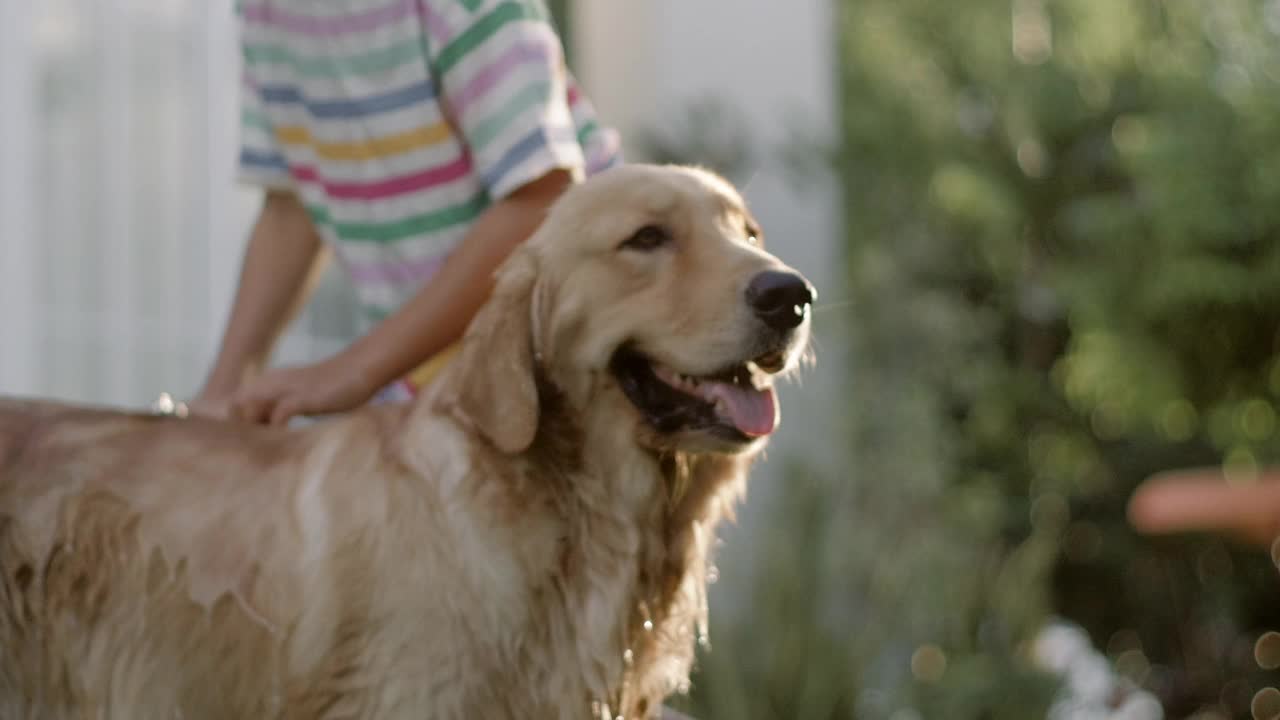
530,588
462,595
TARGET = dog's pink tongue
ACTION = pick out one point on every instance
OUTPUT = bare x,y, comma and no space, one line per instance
754,412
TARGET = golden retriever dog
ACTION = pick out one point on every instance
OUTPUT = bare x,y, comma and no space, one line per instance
528,539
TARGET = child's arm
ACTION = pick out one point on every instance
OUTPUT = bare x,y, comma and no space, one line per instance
439,314
428,323
283,258
501,78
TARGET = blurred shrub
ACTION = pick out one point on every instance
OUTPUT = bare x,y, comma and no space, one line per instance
1063,235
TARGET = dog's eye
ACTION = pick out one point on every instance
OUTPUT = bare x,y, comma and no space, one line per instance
649,237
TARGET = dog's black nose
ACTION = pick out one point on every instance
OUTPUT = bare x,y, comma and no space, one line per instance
781,299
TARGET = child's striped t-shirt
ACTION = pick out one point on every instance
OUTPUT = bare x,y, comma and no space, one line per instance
397,122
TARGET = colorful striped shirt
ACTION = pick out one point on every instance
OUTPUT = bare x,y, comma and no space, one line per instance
397,122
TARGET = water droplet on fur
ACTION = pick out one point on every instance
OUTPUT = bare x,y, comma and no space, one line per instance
648,625
713,574
704,642
628,657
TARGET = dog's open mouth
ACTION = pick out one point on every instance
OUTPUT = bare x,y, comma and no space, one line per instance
736,403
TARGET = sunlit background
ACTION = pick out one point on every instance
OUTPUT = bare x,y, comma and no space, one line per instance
1046,236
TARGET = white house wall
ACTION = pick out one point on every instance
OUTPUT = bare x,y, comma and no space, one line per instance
121,229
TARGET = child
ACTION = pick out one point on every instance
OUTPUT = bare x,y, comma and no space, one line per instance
419,141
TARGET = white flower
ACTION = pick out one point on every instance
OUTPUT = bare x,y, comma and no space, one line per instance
1090,683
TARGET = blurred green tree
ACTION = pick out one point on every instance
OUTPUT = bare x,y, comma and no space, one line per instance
1063,235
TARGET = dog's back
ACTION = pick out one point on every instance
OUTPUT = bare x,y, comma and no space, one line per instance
151,565
89,620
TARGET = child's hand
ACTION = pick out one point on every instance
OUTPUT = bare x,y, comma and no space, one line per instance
277,395
213,407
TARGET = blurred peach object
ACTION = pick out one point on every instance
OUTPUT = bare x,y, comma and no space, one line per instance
1204,500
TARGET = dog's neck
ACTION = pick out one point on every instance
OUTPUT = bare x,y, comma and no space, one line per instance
642,603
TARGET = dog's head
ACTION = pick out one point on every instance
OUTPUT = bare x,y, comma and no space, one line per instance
646,286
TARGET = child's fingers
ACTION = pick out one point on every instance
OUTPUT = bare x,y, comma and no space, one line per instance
213,410
285,409
255,408
246,411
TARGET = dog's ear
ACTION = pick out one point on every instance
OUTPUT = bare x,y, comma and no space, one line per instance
494,390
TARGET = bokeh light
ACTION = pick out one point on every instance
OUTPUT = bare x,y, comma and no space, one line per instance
1266,704
1267,651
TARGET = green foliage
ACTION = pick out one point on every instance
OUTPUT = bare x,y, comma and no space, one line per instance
1063,233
